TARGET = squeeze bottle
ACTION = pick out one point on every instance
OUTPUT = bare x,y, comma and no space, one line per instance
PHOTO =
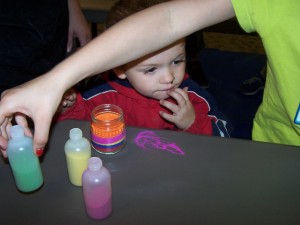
24,163
77,152
97,193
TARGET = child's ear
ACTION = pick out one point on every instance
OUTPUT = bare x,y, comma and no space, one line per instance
119,71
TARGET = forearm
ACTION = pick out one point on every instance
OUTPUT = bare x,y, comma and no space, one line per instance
140,34
74,7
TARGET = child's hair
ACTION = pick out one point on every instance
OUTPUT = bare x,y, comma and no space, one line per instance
125,8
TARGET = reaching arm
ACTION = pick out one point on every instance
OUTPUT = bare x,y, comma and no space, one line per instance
144,32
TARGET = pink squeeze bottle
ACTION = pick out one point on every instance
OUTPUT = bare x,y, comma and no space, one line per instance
96,184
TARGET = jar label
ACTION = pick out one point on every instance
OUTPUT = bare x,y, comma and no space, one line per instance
109,145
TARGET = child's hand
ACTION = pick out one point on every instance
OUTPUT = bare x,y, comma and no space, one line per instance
183,113
68,100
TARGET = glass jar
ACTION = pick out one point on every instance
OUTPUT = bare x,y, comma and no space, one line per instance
108,130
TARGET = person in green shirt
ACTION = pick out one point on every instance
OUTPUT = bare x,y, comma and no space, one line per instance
277,22
276,119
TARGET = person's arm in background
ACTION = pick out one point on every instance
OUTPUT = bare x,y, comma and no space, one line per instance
133,37
78,26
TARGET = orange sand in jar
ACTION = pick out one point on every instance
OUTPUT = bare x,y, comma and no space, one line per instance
107,116
113,127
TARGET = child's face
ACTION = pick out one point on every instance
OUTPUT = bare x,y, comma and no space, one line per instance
156,74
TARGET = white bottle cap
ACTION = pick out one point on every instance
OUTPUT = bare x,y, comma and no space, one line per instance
94,163
75,134
16,131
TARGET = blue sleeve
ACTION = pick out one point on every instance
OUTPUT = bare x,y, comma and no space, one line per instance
221,126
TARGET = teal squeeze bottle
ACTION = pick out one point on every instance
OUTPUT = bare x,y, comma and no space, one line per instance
24,163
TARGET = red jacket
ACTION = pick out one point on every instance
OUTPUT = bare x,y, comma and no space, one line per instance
140,111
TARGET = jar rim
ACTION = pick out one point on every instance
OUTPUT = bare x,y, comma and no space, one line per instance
107,108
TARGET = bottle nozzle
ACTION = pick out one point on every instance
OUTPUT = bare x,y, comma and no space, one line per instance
75,134
94,163
16,131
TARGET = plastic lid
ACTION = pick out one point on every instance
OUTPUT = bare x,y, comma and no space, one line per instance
94,163
75,134
16,131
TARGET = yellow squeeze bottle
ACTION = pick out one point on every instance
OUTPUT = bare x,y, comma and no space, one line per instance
78,152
